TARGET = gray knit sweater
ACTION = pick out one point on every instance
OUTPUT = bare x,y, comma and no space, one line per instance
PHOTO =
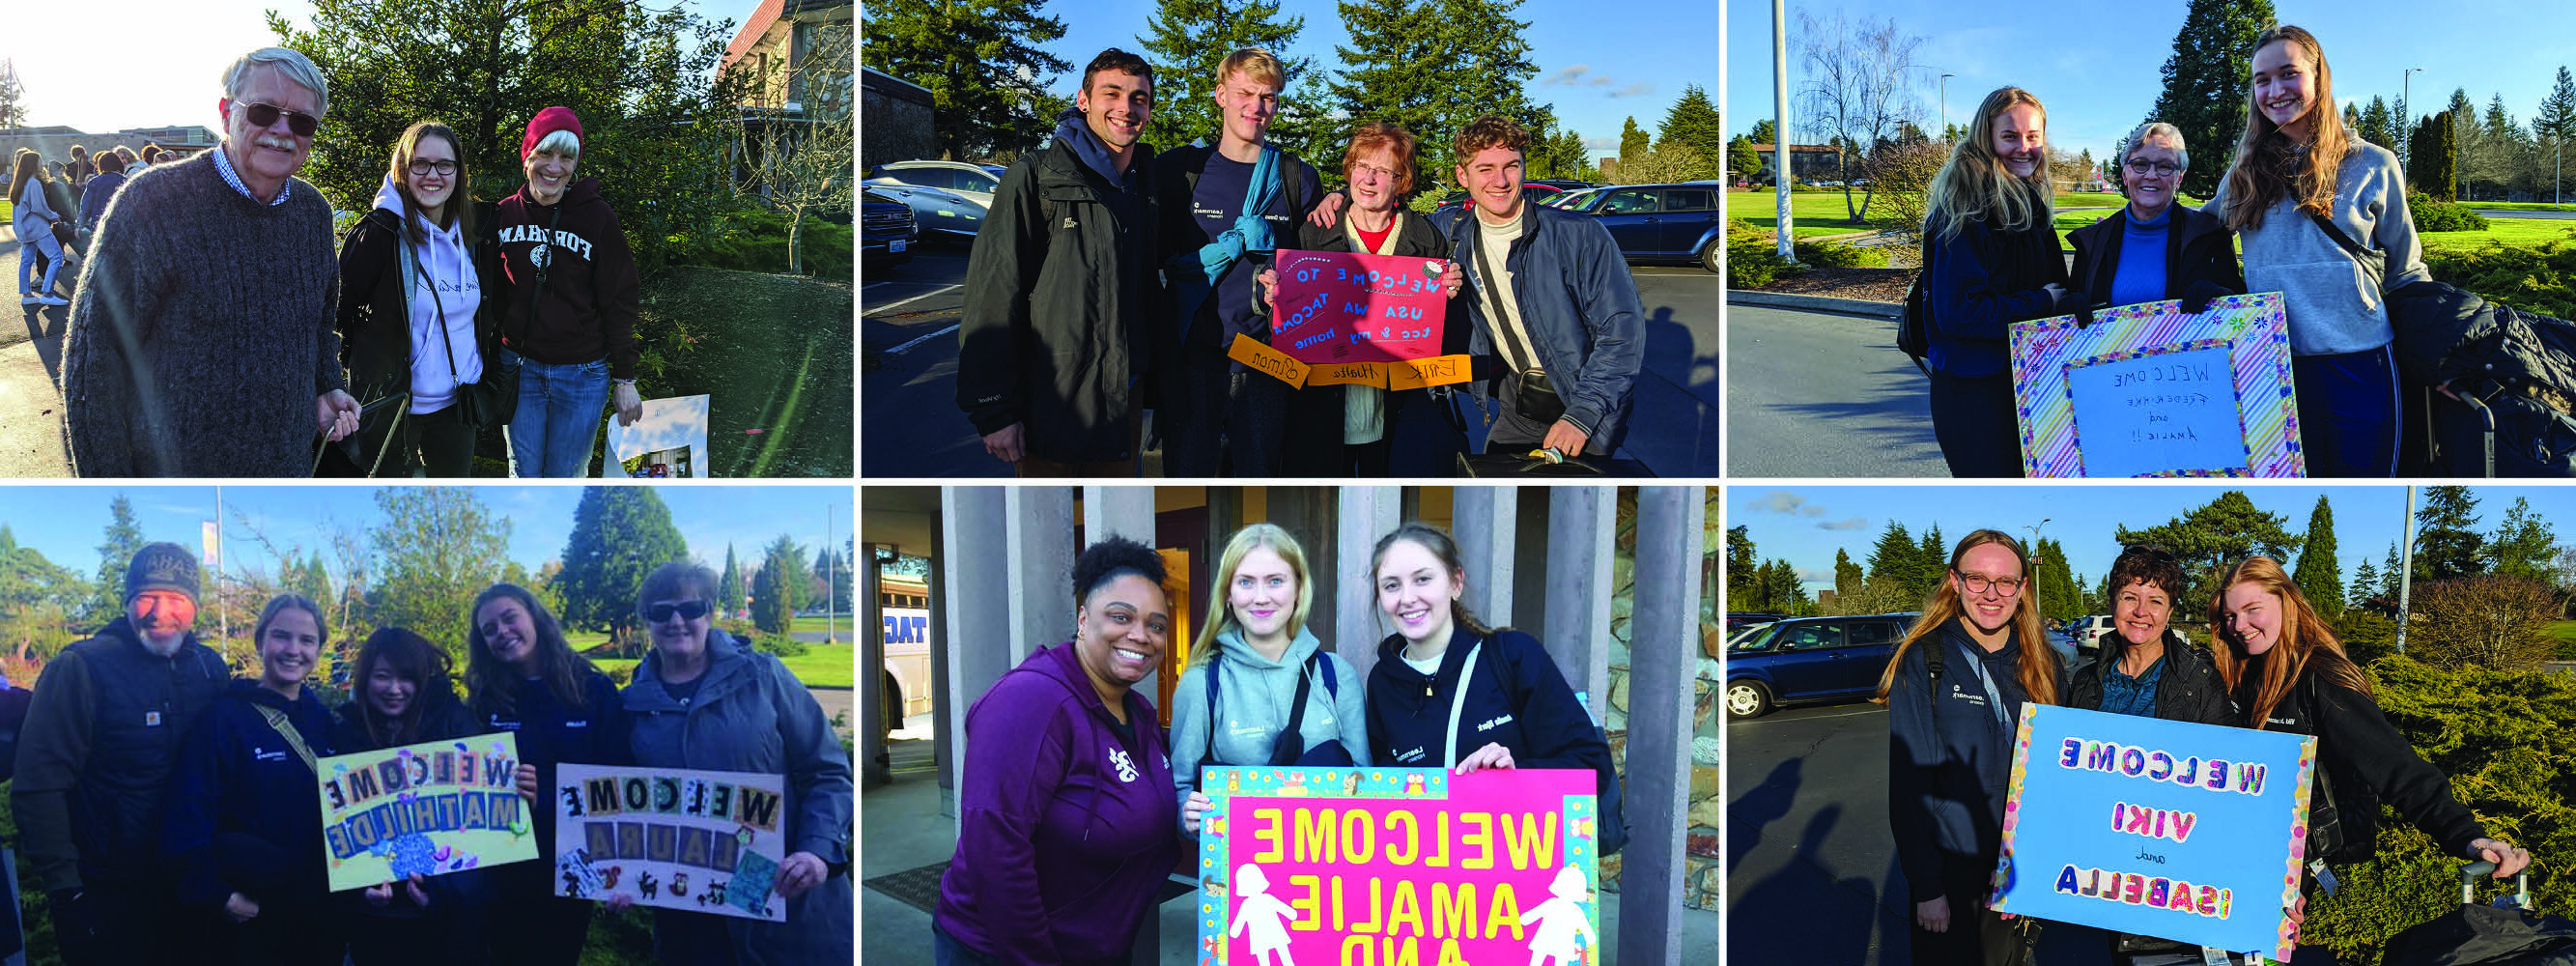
201,333
2332,306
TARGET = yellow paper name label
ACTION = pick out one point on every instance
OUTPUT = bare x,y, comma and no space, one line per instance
1262,358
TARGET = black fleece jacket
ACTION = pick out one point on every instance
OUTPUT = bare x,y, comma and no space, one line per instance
2189,690
1516,699
2369,761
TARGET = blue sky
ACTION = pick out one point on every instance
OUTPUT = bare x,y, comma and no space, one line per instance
2097,66
1635,63
1806,524
160,63
66,522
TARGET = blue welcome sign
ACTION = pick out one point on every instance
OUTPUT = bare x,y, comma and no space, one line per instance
2188,832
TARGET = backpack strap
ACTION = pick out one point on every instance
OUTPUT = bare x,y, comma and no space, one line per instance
1207,752
1458,705
277,720
1296,714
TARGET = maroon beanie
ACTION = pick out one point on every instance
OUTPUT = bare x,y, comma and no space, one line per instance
547,122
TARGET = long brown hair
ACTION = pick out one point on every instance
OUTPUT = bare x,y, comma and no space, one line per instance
489,680
459,209
2039,664
1973,185
2267,165
1440,544
2304,638
410,657
29,167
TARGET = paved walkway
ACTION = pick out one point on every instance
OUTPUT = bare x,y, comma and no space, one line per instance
31,405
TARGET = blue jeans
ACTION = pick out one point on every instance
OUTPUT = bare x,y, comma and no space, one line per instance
41,241
560,411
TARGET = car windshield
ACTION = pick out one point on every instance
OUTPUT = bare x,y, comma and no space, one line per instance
1752,638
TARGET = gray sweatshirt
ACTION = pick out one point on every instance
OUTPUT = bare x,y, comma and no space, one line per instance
1253,701
2333,307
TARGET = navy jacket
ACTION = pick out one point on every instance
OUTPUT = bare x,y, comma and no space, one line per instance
1516,698
1949,759
238,775
549,733
442,716
1981,282
1578,303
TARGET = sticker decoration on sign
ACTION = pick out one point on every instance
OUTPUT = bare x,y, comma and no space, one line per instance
1398,866
2078,418
673,838
2188,832
426,809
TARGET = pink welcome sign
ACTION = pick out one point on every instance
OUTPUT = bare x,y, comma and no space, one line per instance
1398,867
1337,307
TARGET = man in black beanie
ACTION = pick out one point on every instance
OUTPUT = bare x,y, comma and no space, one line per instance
94,762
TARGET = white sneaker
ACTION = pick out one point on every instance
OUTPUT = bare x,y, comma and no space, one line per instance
51,299
30,298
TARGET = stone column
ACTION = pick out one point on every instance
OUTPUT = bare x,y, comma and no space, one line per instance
1485,520
1582,521
1662,659
1367,513
1120,511
869,635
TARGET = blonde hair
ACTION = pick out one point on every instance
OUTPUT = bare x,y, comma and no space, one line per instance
1973,185
1220,606
2039,663
2304,638
2268,166
1256,62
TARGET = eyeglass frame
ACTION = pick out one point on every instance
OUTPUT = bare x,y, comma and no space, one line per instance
662,612
2161,169
1970,582
416,167
303,125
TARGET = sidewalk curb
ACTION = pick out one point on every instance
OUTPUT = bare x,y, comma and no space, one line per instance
1816,303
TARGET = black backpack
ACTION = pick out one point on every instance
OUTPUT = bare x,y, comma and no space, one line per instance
1614,823
1914,328
1289,748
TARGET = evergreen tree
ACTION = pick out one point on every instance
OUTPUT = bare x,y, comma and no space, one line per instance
1741,159
1185,40
2447,543
123,538
780,587
2205,82
2060,596
2554,125
729,587
2365,586
1931,563
2319,574
984,64
1893,556
1694,121
2524,545
2213,536
13,97
2463,132
1431,65
2434,158
1847,575
619,534
2377,123
1633,143
2390,573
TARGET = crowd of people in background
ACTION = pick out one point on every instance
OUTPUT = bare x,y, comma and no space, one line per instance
440,316
168,810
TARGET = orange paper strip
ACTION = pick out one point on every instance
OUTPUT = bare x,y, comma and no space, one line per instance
1435,371
1251,352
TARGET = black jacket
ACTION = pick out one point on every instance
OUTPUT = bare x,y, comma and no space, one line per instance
2190,688
1057,294
1516,699
239,777
2200,255
375,322
2368,761
1978,283
1949,756
95,757
550,732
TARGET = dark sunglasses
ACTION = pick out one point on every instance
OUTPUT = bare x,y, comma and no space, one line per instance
688,610
263,115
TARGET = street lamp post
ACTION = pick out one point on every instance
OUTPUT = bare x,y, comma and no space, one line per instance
2405,114
1945,106
1780,128
2035,562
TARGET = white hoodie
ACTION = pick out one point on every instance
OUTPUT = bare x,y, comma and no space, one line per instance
447,270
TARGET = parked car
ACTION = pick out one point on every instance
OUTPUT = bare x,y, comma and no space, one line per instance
938,212
1569,197
886,232
972,181
1739,620
2088,632
1564,184
1661,222
1530,191
1809,659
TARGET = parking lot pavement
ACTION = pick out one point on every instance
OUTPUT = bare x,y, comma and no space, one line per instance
1819,394
910,425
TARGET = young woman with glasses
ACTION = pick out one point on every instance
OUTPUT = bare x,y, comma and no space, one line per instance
2155,249
2297,164
1950,738
412,325
704,700
521,676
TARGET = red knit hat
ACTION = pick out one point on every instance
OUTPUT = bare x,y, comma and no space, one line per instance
547,122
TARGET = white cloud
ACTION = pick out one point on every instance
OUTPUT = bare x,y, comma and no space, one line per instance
1855,523
1783,501
1634,90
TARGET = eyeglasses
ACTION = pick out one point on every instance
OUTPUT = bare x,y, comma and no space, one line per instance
1980,583
2138,167
444,168
263,115
688,610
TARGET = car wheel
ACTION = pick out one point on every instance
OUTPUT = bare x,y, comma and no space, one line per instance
1747,699
1709,255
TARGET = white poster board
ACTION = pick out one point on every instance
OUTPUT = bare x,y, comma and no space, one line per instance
671,838
669,441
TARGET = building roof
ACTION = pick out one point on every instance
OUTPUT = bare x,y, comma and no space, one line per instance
756,27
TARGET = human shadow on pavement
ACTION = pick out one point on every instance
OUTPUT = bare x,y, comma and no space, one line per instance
1804,914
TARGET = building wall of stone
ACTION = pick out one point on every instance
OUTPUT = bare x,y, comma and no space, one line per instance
892,129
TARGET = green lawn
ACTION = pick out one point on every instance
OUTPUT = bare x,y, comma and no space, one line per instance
2518,232
1820,213
821,666
2520,205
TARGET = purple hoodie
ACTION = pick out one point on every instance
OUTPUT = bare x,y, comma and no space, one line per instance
1065,827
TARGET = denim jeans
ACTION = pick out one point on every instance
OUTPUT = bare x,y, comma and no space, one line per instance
560,411
42,241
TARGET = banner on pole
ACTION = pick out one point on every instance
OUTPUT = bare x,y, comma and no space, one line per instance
428,809
671,838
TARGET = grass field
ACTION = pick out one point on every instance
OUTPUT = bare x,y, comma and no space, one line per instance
2520,205
1822,213
2519,232
821,666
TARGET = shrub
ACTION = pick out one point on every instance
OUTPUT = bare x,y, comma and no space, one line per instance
779,644
2432,215
1752,260
2539,278
1821,254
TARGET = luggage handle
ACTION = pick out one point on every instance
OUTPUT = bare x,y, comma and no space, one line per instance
2471,872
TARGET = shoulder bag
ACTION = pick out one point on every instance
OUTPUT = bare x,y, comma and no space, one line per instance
1536,399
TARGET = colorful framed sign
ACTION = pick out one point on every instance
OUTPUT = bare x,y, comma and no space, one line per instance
671,838
430,808
1398,865
2189,832
2148,390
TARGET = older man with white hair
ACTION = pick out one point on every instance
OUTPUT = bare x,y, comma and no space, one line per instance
201,339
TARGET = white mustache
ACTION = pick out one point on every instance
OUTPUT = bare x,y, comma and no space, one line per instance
266,141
